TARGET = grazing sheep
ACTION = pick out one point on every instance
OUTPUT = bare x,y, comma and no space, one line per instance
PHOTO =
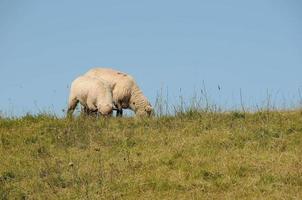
95,95
126,93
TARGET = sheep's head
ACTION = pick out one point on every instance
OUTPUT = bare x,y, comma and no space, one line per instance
148,110
140,105
145,111
106,110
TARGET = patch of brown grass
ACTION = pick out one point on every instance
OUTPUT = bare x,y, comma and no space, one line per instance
195,155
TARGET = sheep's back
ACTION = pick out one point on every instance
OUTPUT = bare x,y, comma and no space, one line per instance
121,82
84,87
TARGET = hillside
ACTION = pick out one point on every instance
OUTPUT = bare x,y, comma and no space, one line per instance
190,156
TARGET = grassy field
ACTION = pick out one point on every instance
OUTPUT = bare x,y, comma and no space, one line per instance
193,155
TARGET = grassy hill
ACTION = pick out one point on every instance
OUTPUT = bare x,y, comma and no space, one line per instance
190,156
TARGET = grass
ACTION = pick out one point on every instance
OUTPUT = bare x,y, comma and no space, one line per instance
193,155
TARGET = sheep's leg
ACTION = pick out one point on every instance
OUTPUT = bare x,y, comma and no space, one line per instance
119,111
91,109
73,102
91,113
115,107
85,110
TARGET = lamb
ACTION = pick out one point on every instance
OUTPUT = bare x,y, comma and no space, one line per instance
95,95
125,93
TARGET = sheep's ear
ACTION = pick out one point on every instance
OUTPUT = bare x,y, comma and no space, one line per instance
148,108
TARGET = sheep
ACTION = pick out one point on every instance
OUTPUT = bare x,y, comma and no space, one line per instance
94,95
126,93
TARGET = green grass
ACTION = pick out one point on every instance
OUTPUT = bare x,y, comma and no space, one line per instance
190,156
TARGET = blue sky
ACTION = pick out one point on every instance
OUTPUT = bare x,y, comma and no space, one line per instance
255,46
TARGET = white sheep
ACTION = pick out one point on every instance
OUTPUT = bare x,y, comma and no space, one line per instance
125,93
95,95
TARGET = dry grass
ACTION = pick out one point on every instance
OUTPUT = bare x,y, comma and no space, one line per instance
194,155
